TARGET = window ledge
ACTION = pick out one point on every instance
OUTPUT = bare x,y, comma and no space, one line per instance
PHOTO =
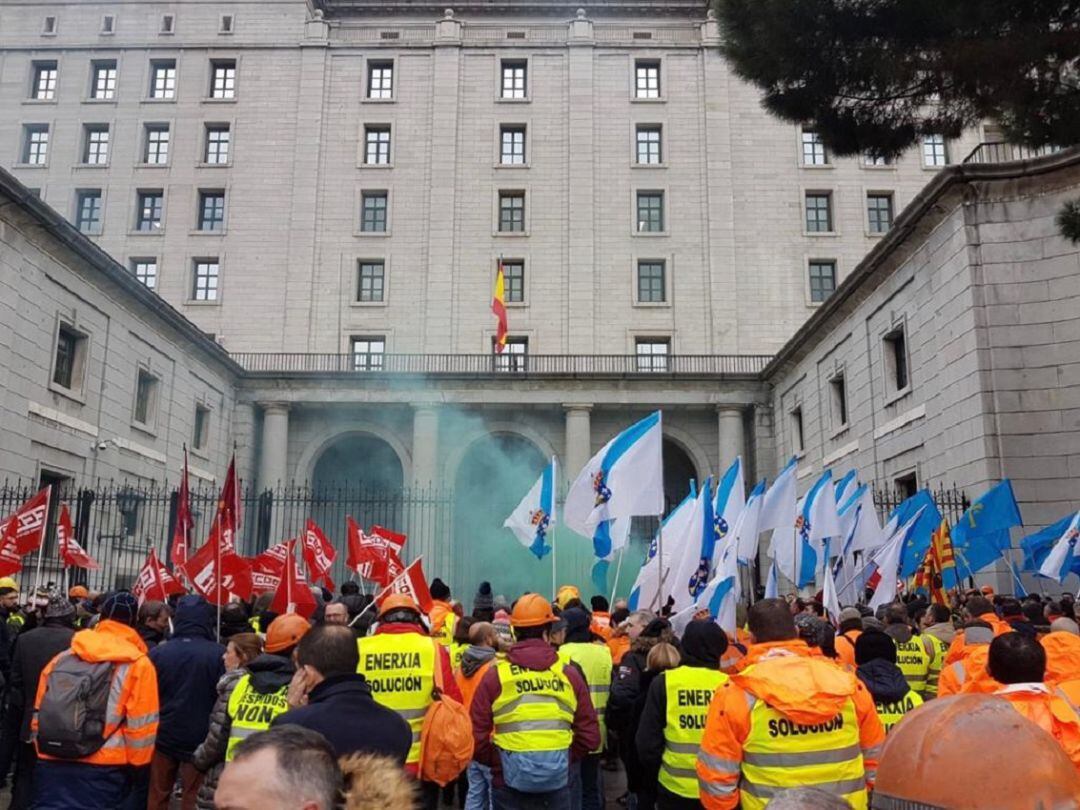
142,165
149,100
371,234
650,234
799,455
211,100
203,165
936,168
67,393
516,304
501,100
91,166
652,304
100,101
193,303
896,396
840,431
637,100
39,101
198,232
366,100
635,165
817,167
30,166
363,165
874,234
200,453
511,165
368,304
146,430
510,234
822,234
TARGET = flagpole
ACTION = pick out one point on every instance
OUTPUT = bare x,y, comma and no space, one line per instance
554,574
1012,568
381,593
41,548
618,568
217,569
661,576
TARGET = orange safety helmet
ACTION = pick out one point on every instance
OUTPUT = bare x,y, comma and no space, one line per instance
78,592
398,601
285,631
944,737
531,610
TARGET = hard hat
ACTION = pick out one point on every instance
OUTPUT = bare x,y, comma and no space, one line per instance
9,582
285,631
398,601
531,610
565,594
78,592
948,736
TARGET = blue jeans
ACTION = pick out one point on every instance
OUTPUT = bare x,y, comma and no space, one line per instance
590,784
479,795
504,798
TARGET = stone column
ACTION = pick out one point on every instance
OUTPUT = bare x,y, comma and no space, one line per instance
425,445
274,447
729,424
578,440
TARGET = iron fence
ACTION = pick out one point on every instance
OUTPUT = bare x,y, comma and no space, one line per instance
950,501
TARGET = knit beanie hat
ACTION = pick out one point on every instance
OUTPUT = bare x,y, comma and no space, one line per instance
58,605
874,644
483,599
120,607
705,642
439,589
599,604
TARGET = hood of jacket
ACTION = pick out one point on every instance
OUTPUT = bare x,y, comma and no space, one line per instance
108,641
1062,656
194,618
534,653
703,644
899,633
884,680
270,672
805,689
943,631
374,782
474,657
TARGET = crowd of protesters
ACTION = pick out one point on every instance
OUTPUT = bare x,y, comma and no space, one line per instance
109,703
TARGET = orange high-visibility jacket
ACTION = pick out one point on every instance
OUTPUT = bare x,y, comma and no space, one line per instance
132,714
440,610
968,673
956,649
601,624
1062,657
806,690
619,646
468,684
1051,712
845,646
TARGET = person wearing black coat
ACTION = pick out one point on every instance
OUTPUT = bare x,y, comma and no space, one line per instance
33,650
328,696
188,666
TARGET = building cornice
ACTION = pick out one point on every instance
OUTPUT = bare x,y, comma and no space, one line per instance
694,9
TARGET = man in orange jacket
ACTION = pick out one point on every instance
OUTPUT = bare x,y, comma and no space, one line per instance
1019,662
1062,645
789,719
103,779
968,673
977,608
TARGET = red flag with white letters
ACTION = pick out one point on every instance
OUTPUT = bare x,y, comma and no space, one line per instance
412,583
319,554
181,541
267,568
154,581
293,594
72,555
26,528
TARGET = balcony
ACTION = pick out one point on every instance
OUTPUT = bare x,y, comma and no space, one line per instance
1001,152
592,366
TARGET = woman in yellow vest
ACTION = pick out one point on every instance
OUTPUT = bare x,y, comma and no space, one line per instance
673,720
875,655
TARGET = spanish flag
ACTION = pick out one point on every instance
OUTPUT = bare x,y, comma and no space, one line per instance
498,308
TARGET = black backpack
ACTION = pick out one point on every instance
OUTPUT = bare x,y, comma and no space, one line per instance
71,718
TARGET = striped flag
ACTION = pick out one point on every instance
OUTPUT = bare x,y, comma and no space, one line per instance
939,556
498,308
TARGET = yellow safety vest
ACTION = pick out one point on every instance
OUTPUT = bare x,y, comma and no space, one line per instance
251,712
779,754
534,710
595,662
892,713
400,669
913,662
445,634
933,673
688,693
456,650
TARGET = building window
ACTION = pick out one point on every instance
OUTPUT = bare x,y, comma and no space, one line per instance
145,397
514,281
513,79
896,360
650,211
648,144
871,159
380,80
218,137
48,26
35,144
934,150
156,150
200,433
205,280
514,356
377,146
652,354
371,286
797,435
168,24
225,24
838,390
368,353
813,149
68,361
879,212
906,486
95,144
373,212
223,78
108,24
512,211
151,209
145,270
43,87
651,286
88,211
211,210
163,78
103,80
512,145
646,79
822,279
819,212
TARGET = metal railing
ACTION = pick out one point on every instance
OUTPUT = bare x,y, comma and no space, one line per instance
1001,152
507,365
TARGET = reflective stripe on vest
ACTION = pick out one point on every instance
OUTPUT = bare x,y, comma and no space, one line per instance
779,754
400,669
688,691
251,712
913,662
933,673
892,713
534,710
595,662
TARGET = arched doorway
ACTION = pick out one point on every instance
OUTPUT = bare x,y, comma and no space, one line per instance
359,460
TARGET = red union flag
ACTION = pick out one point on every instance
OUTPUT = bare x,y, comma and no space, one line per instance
72,555
412,583
293,594
181,542
372,556
10,561
319,555
26,528
214,575
396,540
267,567
154,581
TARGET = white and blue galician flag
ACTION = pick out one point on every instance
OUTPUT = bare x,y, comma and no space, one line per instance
643,596
723,593
772,583
778,512
1058,563
693,560
842,486
626,478
748,526
535,515
612,535
728,504
816,523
